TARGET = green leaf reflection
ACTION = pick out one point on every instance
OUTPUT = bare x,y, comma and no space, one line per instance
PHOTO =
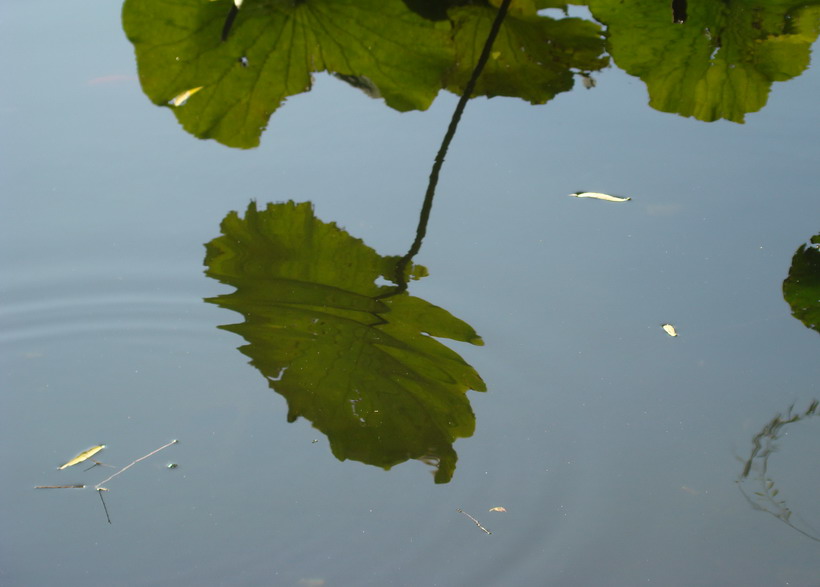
721,62
274,46
801,289
359,363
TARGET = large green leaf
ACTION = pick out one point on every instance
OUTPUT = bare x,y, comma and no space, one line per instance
271,52
228,90
720,63
359,363
534,57
801,289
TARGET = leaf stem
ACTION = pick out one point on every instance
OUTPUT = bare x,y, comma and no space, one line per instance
421,230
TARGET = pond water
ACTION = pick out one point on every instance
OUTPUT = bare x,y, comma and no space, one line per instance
615,449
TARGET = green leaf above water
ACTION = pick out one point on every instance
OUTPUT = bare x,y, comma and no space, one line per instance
274,47
533,58
358,363
272,50
719,64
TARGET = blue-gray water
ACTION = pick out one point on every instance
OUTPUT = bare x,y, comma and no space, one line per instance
614,448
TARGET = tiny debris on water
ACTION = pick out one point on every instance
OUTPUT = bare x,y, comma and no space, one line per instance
588,81
172,465
669,329
600,196
498,509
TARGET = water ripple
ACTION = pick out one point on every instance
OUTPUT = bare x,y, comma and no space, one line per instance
57,310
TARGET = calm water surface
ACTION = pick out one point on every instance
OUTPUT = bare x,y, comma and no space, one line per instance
614,448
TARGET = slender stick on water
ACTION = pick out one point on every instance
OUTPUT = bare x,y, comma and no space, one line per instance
99,486
59,486
476,522
100,492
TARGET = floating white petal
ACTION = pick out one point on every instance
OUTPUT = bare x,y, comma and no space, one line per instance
669,329
599,196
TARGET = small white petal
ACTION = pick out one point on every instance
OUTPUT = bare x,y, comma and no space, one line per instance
600,196
669,329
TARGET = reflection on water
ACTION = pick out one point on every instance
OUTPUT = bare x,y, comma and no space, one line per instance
595,425
757,482
354,358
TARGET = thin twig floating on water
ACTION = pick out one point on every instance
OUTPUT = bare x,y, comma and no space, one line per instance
59,486
476,522
99,486
100,492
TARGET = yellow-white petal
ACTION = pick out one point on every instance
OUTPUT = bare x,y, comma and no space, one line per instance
669,329
83,456
600,196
